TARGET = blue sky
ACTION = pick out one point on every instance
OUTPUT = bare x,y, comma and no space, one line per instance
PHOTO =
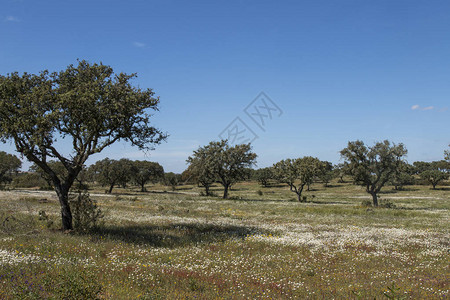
338,70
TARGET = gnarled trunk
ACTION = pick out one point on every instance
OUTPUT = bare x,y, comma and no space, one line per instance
225,191
374,199
111,188
66,214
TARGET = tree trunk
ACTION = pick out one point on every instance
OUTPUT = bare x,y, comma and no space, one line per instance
143,187
66,214
207,189
111,188
434,185
225,191
374,199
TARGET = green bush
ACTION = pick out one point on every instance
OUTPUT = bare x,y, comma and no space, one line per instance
384,203
366,203
86,213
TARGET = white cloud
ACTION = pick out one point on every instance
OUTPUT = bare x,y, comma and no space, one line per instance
428,108
414,107
139,44
11,19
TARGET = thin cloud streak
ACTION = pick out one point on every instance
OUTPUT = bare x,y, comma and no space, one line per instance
11,19
139,44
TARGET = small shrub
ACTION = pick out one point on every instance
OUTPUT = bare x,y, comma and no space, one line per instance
260,193
45,218
366,203
386,204
86,213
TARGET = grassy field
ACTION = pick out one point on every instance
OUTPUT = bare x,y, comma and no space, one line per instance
261,244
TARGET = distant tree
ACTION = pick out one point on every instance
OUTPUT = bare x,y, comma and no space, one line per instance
187,177
112,172
264,175
340,170
372,167
441,165
228,164
55,165
29,180
421,166
200,170
434,177
200,174
146,171
87,106
402,175
9,164
297,172
325,172
172,179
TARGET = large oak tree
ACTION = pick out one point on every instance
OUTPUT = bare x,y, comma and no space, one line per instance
87,106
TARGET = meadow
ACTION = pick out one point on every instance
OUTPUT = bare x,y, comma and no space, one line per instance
259,244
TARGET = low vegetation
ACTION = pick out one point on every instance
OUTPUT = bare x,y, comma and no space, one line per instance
259,243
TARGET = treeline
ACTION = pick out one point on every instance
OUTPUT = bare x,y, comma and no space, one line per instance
108,173
418,173
218,162
371,167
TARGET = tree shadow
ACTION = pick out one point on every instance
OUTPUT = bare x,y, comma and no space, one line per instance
174,235
388,192
327,202
406,189
443,188
330,185
275,185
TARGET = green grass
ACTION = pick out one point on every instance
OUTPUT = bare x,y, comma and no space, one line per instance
178,245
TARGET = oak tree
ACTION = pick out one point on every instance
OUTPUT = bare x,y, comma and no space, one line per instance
373,166
297,173
434,176
87,106
9,164
146,171
228,164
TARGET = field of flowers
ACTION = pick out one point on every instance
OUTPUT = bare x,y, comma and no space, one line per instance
258,244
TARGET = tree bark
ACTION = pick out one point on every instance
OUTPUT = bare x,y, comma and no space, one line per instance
66,214
111,188
225,191
374,199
